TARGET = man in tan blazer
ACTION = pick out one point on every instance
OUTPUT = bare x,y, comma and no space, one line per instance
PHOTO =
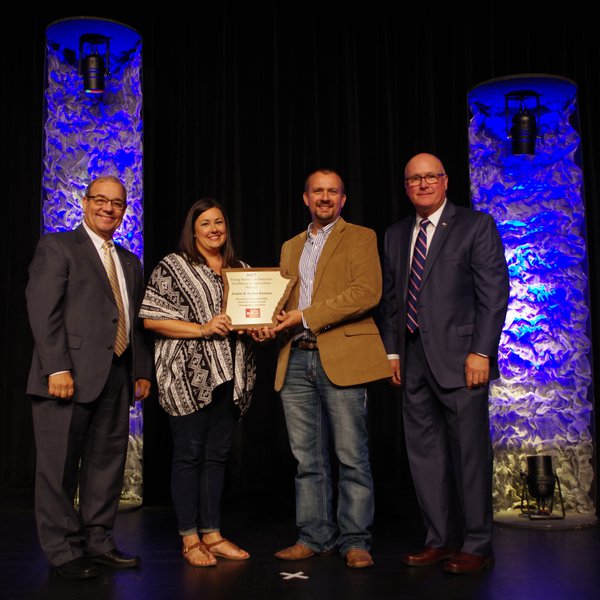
330,349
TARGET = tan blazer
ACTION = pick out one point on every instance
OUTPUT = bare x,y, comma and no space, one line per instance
347,287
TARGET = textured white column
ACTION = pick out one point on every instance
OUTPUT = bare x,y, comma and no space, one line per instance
86,136
542,403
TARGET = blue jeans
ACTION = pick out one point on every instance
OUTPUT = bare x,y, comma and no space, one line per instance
201,443
318,413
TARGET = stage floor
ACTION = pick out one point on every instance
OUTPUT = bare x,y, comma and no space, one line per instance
531,563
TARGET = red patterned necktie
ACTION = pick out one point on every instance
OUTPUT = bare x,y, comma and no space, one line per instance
416,273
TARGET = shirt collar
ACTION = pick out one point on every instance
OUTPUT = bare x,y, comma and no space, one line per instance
434,217
326,230
96,239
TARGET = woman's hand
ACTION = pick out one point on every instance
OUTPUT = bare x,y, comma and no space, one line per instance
219,325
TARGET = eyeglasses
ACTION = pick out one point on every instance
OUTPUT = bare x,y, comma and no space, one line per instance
319,191
100,201
430,178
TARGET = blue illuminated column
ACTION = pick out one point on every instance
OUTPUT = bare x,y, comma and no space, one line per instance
92,133
542,403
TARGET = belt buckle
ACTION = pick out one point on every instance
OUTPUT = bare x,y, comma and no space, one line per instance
306,345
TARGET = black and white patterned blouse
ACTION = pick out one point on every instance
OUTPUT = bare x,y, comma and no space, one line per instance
188,370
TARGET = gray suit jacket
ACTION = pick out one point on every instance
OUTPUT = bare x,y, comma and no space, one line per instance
463,297
73,314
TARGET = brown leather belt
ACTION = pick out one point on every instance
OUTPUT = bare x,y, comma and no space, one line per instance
304,345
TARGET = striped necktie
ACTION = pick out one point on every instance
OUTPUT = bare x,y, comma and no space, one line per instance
416,273
109,263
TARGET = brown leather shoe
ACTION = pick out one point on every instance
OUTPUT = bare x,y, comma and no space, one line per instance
465,563
299,552
358,558
427,556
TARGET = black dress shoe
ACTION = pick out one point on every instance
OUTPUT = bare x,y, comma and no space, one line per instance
78,568
117,560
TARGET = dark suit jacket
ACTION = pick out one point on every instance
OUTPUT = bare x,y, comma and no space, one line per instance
463,297
73,314
346,290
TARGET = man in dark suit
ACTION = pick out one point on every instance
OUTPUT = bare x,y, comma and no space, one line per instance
441,328
90,359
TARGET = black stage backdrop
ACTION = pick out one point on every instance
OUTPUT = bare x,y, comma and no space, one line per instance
241,101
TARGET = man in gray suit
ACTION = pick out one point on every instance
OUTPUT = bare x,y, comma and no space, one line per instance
442,316
90,359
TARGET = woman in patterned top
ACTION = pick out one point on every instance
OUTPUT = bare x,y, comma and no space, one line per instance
200,387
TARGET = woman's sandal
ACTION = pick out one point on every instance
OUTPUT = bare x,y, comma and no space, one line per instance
211,545
202,548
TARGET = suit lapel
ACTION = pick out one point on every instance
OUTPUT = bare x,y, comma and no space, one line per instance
89,251
129,273
296,252
441,233
333,241
293,268
404,250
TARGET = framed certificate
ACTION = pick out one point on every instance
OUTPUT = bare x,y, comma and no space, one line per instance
254,297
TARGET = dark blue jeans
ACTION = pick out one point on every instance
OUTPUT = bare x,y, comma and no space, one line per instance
316,409
201,443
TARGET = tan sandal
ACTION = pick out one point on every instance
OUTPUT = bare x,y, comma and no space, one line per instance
203,551
211,545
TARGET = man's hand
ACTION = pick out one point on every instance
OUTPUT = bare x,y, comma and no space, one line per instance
262,334
477,370
142,389
395,368
61,385
287,320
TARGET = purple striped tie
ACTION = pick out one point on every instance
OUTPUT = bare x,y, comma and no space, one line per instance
416,273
